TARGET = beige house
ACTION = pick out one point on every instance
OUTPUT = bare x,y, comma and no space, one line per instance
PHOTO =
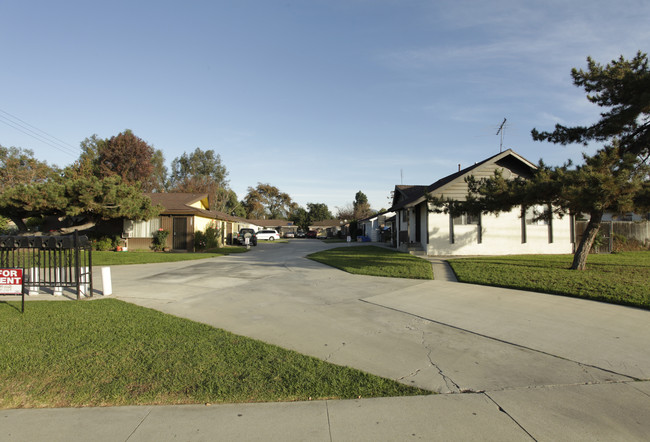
183,215
331,227
516,232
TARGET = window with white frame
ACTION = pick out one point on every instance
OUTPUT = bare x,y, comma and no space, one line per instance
142,229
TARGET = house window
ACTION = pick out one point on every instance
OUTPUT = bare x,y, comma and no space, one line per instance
536,216
142,229
405,215
466,219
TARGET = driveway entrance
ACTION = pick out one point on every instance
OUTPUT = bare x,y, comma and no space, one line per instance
442,336
560,368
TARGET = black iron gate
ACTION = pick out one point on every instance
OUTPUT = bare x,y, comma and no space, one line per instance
54,262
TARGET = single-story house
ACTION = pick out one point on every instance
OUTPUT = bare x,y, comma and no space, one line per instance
332,227
236,223
183,215
516,232
377,227
282,226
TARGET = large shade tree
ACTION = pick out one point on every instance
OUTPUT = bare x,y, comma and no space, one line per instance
318,212
202,172
80,201
315,212
125,155
614,179
267,202
300,217
75,195
361,206
19,167
233,206
619,178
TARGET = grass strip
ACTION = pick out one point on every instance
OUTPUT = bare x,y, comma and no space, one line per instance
375,261
146,257
618,278
108,352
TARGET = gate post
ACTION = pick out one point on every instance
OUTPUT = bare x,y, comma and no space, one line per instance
34,276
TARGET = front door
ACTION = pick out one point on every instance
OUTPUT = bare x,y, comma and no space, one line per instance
180,234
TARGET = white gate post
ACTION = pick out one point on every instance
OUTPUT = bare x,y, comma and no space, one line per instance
34,277
106,281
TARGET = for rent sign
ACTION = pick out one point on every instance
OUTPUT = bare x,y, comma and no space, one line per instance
11,281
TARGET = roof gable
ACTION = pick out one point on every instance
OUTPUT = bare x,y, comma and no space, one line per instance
405,192
179,201
454,186
182,203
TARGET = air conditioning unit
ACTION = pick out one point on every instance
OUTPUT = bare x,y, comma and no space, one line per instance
127,235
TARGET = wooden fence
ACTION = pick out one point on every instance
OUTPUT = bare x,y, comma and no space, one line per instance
639,231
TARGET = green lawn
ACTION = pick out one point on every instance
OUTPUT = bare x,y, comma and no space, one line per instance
620,278
375,261
108,352
145,257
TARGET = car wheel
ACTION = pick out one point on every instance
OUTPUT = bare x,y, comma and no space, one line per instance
271,238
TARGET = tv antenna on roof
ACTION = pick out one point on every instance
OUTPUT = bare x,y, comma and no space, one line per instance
501,130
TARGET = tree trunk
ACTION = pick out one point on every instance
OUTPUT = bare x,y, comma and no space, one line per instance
71,229
588,237
20,224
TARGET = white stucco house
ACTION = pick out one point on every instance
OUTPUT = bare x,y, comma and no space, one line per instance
373,226
514,232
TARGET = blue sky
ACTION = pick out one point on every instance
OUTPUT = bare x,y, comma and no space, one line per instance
319,98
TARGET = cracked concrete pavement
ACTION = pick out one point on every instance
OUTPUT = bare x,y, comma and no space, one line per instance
437,335
546,367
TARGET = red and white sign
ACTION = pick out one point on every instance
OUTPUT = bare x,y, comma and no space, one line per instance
11,281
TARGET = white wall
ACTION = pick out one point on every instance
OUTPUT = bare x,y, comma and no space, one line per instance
501,235
371,229
366,228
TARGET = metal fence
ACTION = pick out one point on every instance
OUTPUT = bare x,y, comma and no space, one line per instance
53,262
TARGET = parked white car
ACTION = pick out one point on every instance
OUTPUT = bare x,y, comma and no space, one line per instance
270,235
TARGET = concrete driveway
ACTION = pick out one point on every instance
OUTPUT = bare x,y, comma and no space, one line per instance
513,365
442,336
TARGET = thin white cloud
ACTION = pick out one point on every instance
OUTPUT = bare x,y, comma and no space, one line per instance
515,34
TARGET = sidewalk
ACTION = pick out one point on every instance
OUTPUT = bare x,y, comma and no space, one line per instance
613,412
441,269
